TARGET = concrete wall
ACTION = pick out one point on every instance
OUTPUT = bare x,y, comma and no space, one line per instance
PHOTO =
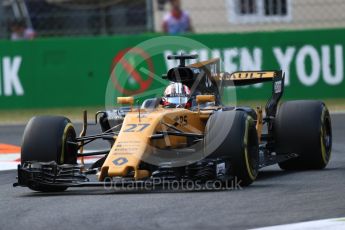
212,16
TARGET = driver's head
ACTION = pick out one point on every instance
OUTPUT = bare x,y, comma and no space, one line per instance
175,4
176,95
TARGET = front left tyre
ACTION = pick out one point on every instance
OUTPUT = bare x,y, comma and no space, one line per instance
48,139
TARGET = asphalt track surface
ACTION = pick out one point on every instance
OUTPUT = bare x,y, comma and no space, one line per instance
277,197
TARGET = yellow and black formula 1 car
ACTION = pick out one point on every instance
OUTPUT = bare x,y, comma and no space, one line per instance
204,142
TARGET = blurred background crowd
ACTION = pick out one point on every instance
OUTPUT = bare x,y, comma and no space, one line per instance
28,19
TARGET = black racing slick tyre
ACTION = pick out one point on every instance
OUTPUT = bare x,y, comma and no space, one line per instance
46,139
232,135
304,128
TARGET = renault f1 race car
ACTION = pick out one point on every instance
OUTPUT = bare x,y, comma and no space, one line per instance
165,140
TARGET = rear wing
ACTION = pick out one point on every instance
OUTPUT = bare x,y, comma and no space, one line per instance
253,77
212,69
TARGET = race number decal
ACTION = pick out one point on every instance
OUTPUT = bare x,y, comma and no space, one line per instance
135,127
181,120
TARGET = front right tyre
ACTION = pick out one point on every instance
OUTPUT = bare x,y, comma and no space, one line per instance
232,135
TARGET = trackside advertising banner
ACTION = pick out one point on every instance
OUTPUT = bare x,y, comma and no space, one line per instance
75,72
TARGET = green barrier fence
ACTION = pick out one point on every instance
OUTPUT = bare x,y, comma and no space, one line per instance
75,72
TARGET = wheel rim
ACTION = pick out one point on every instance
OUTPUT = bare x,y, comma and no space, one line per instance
250,146
326,138
68,152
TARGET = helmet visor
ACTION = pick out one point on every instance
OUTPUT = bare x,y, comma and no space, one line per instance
177,100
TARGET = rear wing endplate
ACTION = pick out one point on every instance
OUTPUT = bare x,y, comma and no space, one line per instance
278,83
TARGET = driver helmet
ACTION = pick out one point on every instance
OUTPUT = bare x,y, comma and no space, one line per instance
176,94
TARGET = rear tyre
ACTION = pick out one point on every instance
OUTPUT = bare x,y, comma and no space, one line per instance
46,139
232,135
304,128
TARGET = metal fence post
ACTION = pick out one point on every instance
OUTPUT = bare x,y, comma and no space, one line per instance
3,23
149,16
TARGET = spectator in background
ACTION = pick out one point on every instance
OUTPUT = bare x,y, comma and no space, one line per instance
176,21
19,31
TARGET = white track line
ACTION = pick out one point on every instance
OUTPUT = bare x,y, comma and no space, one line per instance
338,112
334,224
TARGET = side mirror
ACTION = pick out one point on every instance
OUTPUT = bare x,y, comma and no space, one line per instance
125,100
205,98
